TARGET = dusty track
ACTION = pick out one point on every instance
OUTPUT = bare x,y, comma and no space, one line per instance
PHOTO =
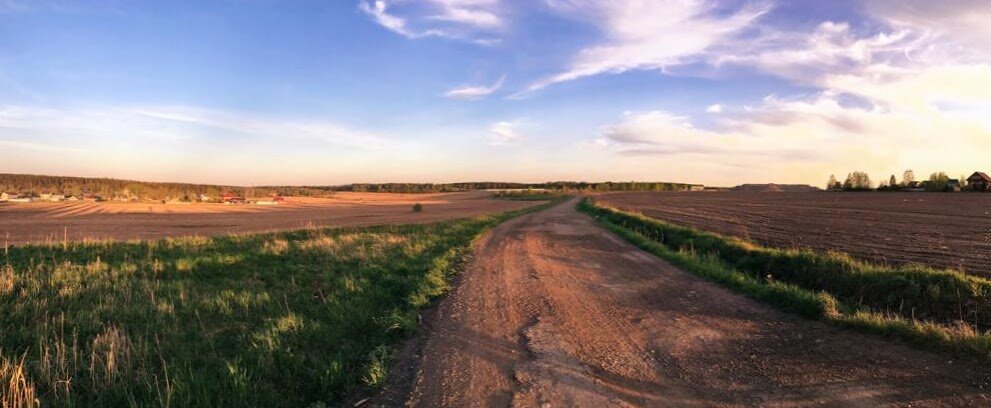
555,311
53,222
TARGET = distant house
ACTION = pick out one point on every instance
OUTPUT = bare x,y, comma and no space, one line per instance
4,196
51,197
204,198
979,181
696,187
231,198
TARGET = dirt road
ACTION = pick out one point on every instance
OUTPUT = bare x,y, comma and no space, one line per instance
556,311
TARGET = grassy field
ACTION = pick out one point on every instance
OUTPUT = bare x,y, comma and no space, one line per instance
939,309
280,319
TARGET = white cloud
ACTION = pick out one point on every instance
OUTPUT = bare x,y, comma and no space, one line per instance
964,22
927,88
474,92
802,140
477,13
715,108
150,127
648,35
377,9
505,133
475,21
830,48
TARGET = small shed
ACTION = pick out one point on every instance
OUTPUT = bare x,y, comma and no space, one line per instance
979,181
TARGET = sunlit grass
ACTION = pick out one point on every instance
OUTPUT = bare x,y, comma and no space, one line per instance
278,319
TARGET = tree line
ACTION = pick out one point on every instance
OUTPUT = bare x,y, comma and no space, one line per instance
861,181
109,188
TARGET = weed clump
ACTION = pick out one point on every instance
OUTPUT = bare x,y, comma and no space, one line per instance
417,207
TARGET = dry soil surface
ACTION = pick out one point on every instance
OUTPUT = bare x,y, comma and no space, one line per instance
944,230
55,222
556,311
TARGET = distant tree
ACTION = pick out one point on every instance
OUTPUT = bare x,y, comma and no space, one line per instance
892,182
857,181
938,182
832,183
908,177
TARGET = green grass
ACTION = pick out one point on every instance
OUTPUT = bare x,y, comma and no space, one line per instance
832,287
277,319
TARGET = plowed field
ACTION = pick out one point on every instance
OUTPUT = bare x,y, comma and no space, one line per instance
55,222
934,229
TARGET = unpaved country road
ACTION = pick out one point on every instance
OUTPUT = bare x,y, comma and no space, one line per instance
556,311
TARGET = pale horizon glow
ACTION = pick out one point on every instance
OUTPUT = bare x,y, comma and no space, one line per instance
323,93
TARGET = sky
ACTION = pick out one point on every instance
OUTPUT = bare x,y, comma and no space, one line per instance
255,92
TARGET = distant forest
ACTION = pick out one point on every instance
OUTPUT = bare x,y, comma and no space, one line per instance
34,185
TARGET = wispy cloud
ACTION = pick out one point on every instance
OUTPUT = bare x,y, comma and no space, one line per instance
474,21
505,133
964,22
42,147
648,35
148,127
378,11
476,13
474,92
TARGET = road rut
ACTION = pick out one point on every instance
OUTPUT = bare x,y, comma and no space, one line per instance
556,311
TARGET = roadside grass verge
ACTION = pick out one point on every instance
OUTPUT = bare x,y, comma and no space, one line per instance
528,195
937,309
275,319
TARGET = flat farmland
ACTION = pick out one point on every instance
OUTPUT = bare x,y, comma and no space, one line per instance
934,229
54,222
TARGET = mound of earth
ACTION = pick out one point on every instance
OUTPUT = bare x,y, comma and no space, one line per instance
775,188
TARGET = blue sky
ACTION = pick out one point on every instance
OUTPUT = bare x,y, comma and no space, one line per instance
328,92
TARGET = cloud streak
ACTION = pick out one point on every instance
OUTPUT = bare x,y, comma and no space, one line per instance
645,35
505,133
474,92
475,21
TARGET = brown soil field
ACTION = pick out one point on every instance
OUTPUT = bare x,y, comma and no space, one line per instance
55,222
934,229
555,311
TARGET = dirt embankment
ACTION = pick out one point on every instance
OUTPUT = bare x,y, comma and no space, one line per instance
556,311
53,222
942,230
